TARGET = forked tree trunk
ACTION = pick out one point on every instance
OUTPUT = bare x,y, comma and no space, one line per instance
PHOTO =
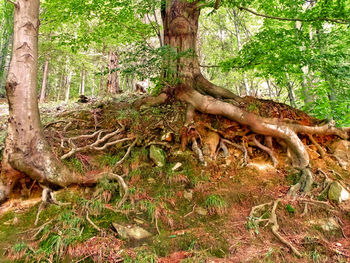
26,150
43,86
113,76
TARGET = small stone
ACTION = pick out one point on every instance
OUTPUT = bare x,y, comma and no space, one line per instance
176,167
201,211
188,195
326,224
157,155
131,232
337,192
167,137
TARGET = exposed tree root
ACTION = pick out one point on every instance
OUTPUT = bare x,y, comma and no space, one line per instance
127,152
95,145
319,148
275,227
266,149
92,223
198,151
273,220
304,185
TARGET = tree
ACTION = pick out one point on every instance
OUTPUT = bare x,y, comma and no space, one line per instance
26,150
180,20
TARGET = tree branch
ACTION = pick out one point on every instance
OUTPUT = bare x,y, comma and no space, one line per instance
345,22
13,2
217,4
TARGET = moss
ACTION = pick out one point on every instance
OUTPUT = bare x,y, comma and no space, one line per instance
74,164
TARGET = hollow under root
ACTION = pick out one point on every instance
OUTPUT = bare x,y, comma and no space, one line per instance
304,185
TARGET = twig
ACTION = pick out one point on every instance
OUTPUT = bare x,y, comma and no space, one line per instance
190,213
41,228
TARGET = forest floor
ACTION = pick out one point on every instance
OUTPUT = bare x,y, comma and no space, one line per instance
188,210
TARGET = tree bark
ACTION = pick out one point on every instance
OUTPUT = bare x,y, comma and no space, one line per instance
43,86
113,76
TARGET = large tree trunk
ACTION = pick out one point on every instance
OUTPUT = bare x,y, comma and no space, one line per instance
26,151
180,19
113,76
43,86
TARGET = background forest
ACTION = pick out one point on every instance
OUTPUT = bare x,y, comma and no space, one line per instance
302,63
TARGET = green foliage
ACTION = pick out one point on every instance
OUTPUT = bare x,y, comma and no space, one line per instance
75,164
290,209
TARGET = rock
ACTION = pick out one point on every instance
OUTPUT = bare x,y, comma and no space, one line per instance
326,224
341,151
176,167
157,155
188,195
201,211
131,232
337,192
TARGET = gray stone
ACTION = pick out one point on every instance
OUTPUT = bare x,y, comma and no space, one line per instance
337,192
326,224
157,155
131,232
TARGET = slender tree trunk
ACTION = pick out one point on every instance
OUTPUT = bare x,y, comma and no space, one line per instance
26,150
43,86
83,82
113,75
60,87
68,82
